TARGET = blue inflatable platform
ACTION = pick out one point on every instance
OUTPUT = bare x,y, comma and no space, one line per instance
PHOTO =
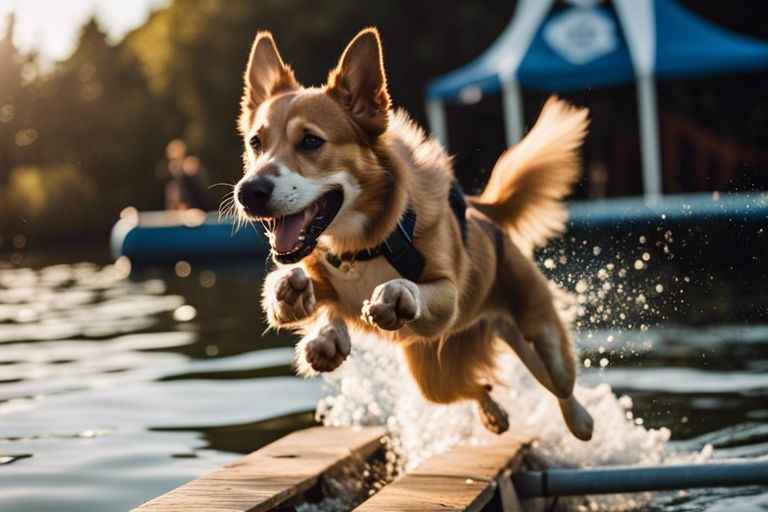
190,235
163,237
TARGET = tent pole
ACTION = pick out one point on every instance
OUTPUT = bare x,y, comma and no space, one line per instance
437,122
649,137
512,97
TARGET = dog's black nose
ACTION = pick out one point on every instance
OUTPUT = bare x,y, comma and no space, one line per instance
254,195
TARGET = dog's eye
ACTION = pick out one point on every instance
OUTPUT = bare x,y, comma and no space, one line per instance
255,142
311,142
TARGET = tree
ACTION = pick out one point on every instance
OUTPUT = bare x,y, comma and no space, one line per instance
13,100
94,129
194,53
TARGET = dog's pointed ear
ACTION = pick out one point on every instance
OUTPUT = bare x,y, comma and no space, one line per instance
360,84
266,73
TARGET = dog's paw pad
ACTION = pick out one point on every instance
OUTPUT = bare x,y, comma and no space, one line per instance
392,305
294,297
329,348
493,416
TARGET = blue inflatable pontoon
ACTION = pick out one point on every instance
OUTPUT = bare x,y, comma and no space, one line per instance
163,237
190,235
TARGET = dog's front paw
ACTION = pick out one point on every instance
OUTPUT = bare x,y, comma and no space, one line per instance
329,348
392,305
292,298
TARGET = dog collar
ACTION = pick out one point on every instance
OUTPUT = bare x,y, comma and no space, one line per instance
398,248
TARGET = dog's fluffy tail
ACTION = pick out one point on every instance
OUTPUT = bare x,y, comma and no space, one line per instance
528,183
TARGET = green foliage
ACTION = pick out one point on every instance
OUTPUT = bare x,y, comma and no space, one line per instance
107,112
102,117
48,201
194,53
94,117
15,100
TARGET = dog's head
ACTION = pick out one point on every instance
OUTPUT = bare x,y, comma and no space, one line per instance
310,160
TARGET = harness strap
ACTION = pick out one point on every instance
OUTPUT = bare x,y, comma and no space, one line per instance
458,204
398,248
399,251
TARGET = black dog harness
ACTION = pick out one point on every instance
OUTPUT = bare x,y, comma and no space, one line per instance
398,248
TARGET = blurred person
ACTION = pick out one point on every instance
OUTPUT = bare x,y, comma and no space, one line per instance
188,187
598,179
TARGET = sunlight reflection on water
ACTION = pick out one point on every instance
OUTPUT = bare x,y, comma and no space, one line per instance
104,390
115,391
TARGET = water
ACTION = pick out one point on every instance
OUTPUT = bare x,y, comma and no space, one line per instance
115,391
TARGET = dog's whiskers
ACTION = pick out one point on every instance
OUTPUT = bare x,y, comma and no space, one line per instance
228,210
231,185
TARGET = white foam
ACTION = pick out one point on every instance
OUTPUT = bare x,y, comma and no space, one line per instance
373,387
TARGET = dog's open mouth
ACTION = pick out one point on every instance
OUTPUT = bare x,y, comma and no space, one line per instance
295,236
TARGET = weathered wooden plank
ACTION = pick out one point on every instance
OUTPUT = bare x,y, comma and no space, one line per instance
461,479
272,475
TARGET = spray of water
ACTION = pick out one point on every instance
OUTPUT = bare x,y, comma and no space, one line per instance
373,387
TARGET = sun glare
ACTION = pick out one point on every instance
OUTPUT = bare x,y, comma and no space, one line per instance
50,27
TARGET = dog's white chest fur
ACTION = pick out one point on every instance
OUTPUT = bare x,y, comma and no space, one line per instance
355,281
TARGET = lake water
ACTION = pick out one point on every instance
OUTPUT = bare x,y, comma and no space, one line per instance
115,391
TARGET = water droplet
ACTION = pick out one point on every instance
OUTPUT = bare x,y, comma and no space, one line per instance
184,313
183,269
123,266
19,241
207,279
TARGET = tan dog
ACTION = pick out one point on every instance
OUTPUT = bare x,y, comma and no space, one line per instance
339,179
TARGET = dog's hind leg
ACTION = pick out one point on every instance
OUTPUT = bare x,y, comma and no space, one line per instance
459,367
493,415
523,291
578,420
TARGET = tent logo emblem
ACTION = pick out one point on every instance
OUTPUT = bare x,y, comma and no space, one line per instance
580,35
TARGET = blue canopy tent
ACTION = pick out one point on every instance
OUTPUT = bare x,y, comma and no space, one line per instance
591,44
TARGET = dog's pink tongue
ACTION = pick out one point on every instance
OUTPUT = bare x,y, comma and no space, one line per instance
288,230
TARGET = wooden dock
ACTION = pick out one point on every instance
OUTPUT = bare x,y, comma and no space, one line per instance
292,470
465,478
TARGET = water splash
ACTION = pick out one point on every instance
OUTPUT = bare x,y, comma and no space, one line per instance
373,387
622,293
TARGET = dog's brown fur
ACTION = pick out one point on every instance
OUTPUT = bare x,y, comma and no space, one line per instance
471,293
